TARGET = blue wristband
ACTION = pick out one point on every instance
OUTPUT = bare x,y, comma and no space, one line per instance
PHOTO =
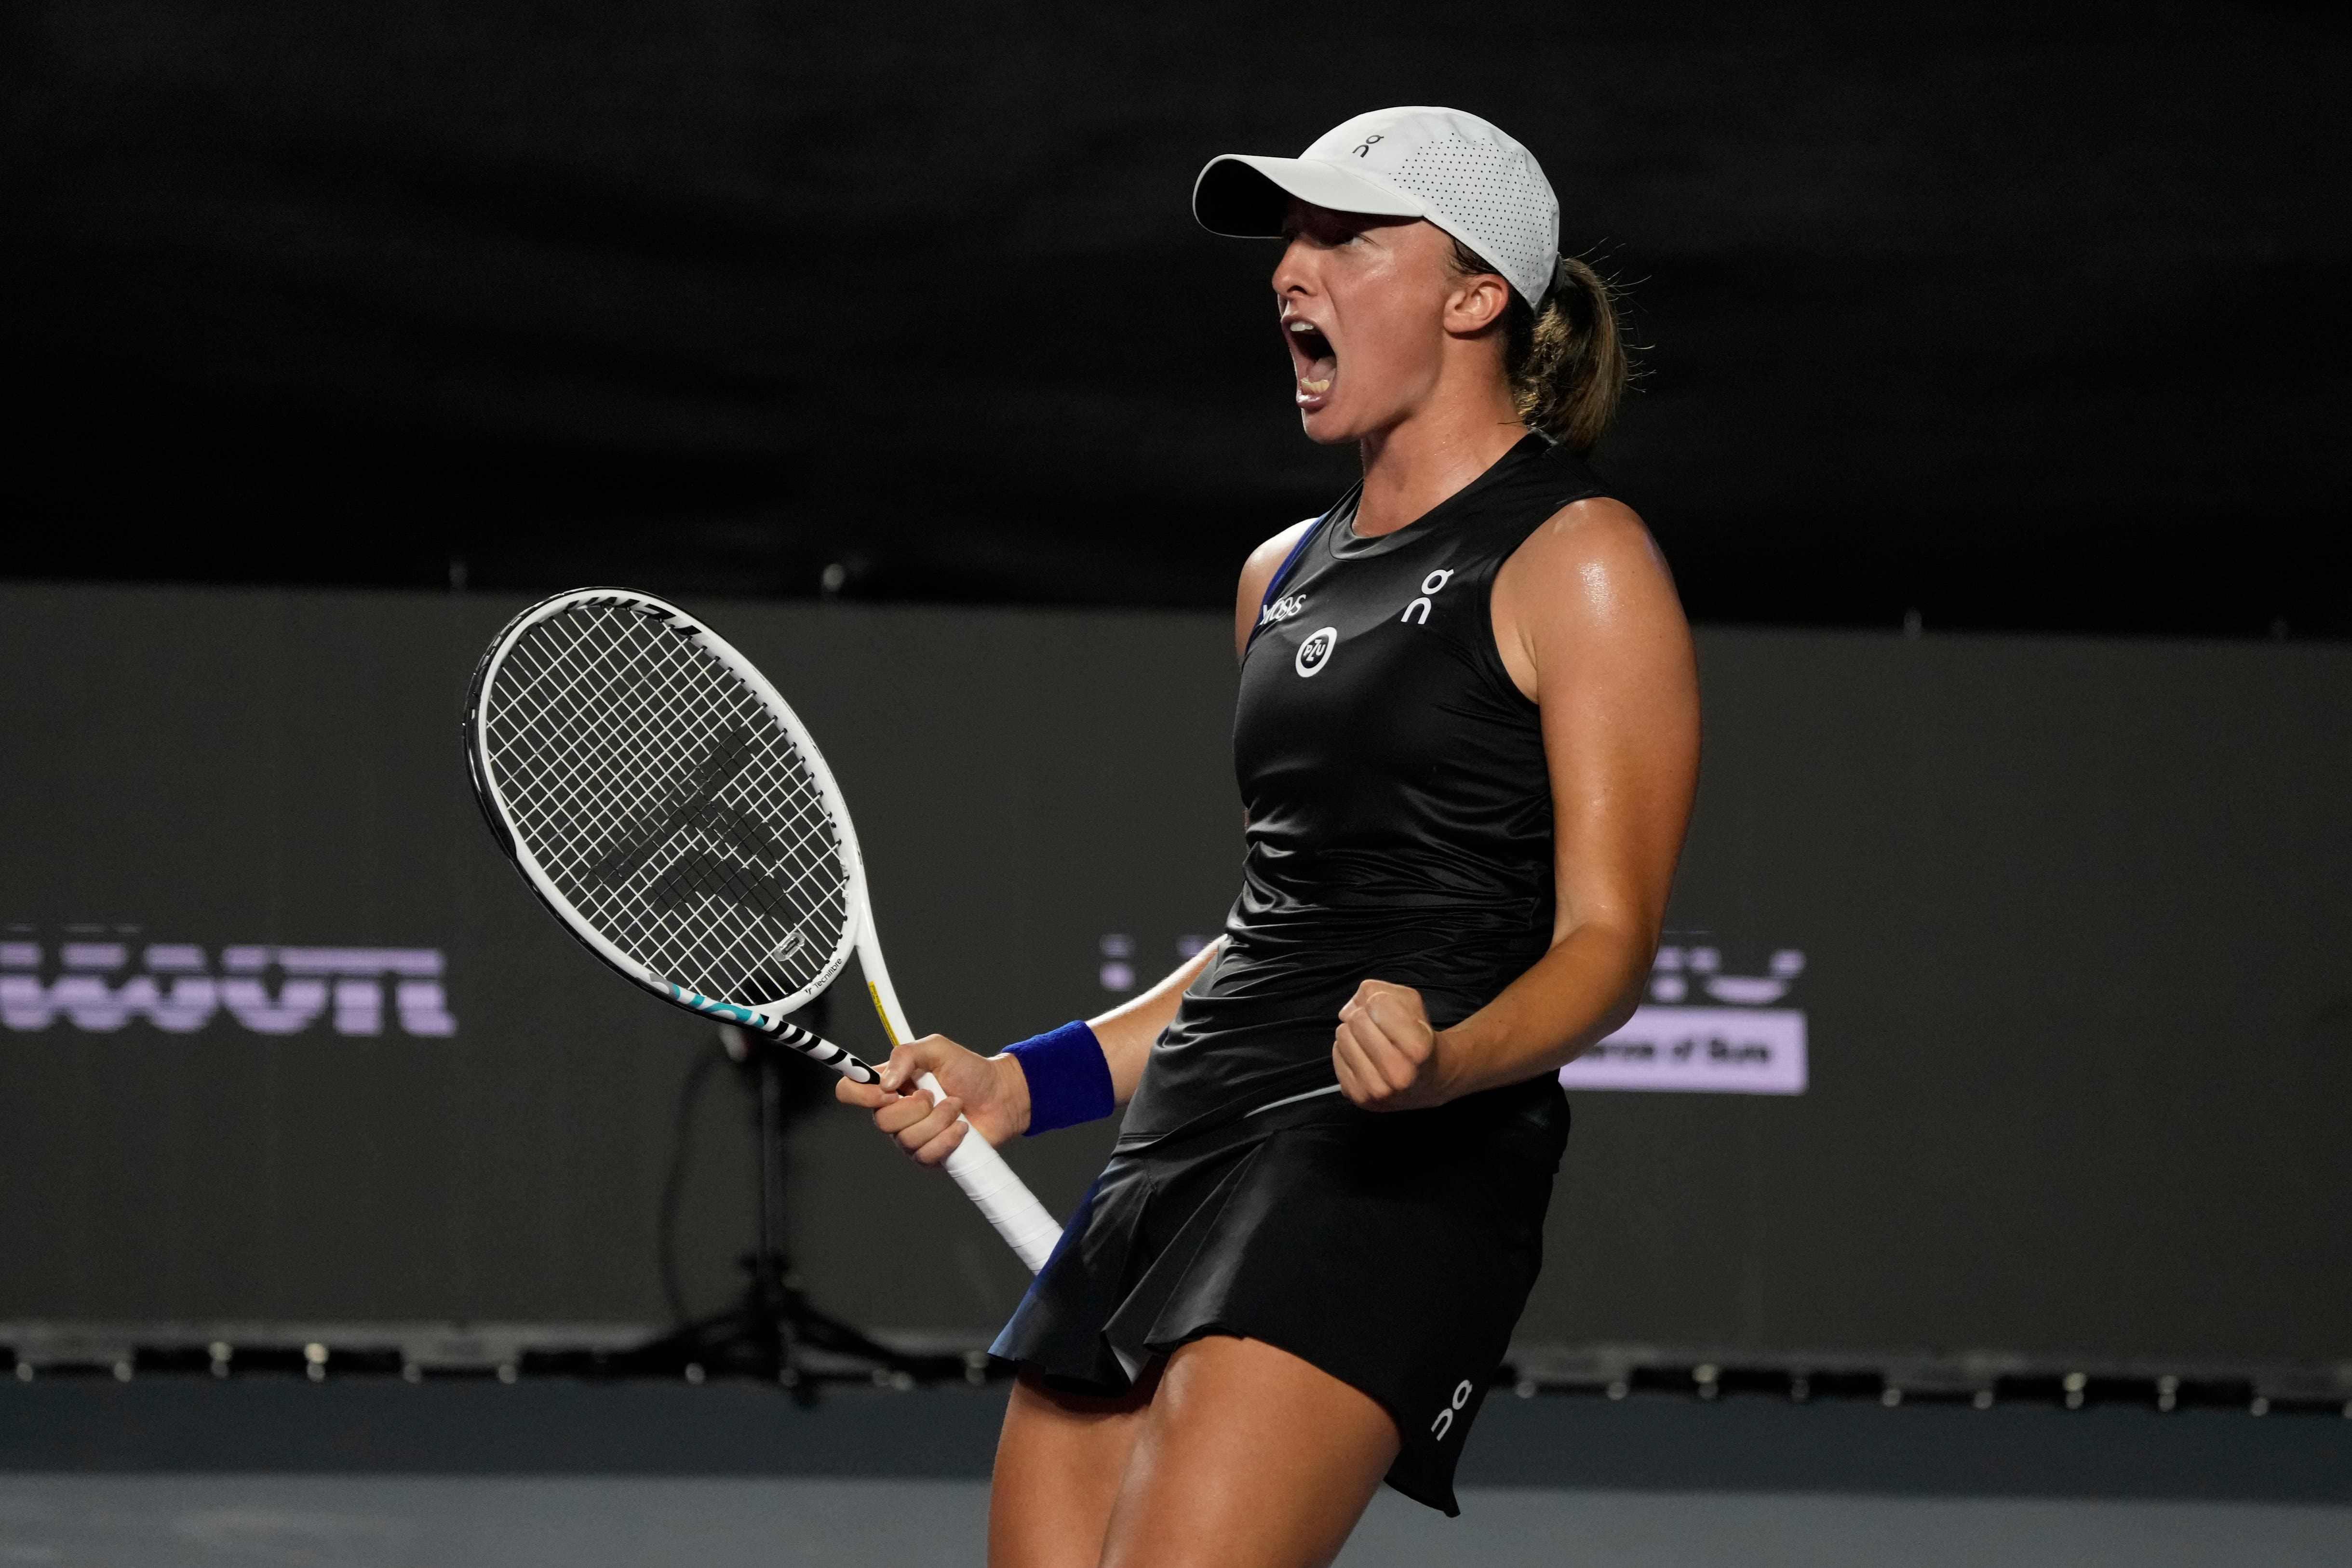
1069,1080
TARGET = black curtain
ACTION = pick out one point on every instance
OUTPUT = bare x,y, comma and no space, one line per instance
2006,314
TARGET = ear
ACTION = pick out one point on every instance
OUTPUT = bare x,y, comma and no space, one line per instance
1477,303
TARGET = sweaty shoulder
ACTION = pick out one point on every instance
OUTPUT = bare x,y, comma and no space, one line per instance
1592,567
1256,573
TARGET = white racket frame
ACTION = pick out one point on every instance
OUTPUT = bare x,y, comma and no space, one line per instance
976,1166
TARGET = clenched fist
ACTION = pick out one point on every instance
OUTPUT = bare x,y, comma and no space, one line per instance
1385,1050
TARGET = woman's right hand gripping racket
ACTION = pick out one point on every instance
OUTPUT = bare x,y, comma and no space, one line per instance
669,809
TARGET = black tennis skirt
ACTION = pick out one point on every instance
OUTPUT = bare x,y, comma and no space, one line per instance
1393,1252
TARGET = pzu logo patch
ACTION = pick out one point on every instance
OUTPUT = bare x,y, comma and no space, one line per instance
1315,652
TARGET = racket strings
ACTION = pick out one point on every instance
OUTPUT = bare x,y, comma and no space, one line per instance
698,889
668,804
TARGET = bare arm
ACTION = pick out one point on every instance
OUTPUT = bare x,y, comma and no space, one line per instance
1129,1029
1588,625
992,1091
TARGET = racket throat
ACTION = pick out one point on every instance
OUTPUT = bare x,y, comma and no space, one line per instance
882,1011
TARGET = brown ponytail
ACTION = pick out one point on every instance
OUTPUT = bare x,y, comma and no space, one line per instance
1568,363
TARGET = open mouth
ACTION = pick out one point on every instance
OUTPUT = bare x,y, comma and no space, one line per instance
1312,357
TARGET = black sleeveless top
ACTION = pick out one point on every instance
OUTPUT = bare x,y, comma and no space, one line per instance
1400,808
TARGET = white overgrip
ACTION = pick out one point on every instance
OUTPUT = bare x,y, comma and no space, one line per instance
998,1192
977,1167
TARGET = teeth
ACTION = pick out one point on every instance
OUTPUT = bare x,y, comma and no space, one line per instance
1312,387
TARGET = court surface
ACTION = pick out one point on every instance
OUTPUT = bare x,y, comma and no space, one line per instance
174,1472
447,1521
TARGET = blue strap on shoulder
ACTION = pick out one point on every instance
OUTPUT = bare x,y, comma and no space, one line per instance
1069,1078
1282,573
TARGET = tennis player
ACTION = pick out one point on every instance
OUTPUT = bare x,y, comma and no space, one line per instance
1467,740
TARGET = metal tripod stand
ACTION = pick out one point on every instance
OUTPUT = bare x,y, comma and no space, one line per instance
772,1324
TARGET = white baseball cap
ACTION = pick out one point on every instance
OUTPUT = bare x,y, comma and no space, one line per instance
1442,164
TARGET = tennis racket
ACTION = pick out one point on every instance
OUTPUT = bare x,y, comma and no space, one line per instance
671,811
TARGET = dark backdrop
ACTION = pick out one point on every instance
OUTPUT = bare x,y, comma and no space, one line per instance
2011,314
2073,915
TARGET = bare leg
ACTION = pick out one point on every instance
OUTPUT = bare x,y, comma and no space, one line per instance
1247,1458
1058,1469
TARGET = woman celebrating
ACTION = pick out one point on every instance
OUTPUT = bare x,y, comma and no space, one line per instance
1467,738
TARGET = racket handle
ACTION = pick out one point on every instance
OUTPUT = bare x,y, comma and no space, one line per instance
823,1052
998,1193
976,1166
817,1049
